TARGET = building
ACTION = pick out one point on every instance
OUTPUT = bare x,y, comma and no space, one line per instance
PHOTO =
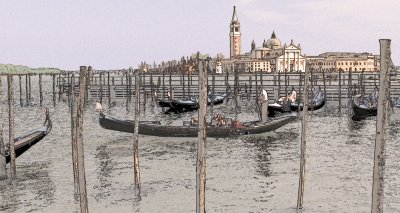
271,57
333,61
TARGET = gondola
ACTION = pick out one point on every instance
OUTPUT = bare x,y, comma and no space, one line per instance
282,107
191,103
364,107
27,140
154,128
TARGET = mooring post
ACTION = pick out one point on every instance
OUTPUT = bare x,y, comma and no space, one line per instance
109,89
59,86
79,140
163,84
236,92
170,86
40,90
143,84
73,135
101,87
26,90
11,148
323,76
54,90
256,89
136,168
3,171
127,90
312,91
340,91
303,144
201,146
213,92
69,89
382,125
188,83
30,89
183,85
20,91
279,85
227,85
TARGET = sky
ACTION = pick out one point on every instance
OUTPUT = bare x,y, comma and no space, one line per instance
116,34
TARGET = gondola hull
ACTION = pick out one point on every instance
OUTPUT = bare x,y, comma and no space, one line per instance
360,113
156,129
29,139
111,123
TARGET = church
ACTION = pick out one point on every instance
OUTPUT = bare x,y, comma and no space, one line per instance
272,56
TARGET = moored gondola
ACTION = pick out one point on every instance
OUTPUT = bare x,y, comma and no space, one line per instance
364,107
154,128
27,140
191,103
317,102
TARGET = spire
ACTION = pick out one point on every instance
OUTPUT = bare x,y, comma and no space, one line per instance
234,16
273,34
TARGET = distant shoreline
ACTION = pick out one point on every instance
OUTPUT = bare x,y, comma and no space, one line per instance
6,69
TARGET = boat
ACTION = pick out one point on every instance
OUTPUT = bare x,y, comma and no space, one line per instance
364,107
29,139
280,106
155,128
191,103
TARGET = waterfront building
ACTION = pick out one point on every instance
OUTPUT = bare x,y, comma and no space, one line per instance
271,57
333,61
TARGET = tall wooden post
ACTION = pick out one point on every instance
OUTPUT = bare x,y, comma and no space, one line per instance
101,87
188,83
30,89
54,90
163,84
20,91
109,89
226,85
3,171
136,168
73,135
40,90
303,144
79,140
11,147
340,91
26,90
382,125
170,86
201,145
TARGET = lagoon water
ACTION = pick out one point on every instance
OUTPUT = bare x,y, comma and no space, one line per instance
256,173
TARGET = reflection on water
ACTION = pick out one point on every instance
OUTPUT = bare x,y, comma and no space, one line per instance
247,174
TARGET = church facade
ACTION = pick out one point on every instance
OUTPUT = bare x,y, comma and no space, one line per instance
272,56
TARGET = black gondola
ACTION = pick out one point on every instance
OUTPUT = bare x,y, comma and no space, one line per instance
26,141
364,107
282,107
191,103
154,128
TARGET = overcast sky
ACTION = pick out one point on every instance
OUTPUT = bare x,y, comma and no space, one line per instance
113,34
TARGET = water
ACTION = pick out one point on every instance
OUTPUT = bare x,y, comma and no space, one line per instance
256,173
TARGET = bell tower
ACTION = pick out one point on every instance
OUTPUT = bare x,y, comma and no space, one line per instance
234,35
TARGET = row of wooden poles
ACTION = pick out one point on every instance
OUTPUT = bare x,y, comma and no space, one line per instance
77,136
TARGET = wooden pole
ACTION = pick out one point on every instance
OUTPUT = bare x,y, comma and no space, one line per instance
163,84
226,85
40,91
59,87
26,90
101,87
303,144
30,89
128,93
20,91
54,90
73,135
79,140
11,148
170,86
201,146
136,168
3,171
109,89
382,124
340,91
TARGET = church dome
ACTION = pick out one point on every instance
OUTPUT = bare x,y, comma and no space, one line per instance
273,42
